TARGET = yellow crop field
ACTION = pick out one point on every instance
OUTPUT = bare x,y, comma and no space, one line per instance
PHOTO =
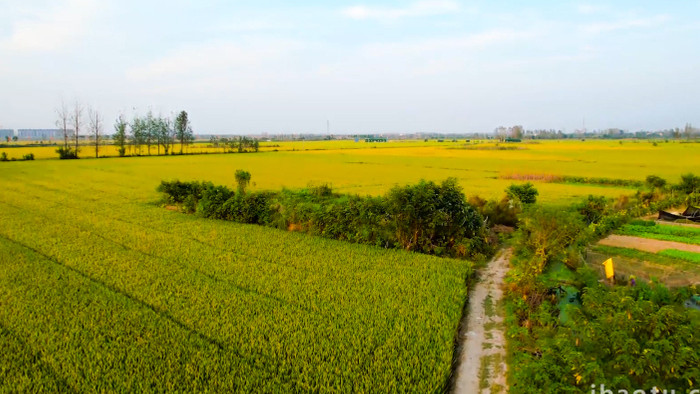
360,168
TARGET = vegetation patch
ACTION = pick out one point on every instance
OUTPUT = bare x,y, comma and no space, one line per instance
657,258
683,234
543,177
426,217
682,255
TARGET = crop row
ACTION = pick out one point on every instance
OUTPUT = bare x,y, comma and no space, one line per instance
212,305
682,234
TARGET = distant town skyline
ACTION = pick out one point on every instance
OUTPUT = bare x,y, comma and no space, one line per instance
441,66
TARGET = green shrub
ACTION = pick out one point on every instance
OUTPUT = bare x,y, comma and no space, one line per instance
67,153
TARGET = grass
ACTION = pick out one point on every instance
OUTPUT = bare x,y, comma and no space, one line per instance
657,258
682,255
489,308
688,235
101,290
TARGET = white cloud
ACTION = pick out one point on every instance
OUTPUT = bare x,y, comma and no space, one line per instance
416,9
604,27
253,26
588,9
51,29
447,44
217,65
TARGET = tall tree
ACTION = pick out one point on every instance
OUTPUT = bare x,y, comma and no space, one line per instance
150,131
62,122
137,134
77,121
183,130
119,137
96,121
688,131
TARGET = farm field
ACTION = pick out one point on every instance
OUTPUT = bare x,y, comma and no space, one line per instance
652,250
374,168
102,290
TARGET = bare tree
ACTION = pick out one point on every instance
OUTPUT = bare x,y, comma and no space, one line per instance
95,128
62,122
688,131
77,119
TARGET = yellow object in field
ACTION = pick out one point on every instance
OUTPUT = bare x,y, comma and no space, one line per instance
609,270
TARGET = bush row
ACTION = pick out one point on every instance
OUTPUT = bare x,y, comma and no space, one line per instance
427,217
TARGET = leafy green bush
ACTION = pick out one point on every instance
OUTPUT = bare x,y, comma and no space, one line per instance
67,153
177,192
625,337
593,209
211,205
427,217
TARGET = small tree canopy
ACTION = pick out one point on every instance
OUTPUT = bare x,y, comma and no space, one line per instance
655,182
242,179
525,193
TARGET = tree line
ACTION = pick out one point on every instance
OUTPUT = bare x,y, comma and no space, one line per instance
142,132
149,131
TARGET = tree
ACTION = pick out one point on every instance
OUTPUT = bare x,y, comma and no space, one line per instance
214,141
430,218
138,134
62,122
183,130
150,132
525,193
655,182
592,209
546,233
119,136
163,131
690,183
64,117
516,132
242,179
688,131
96,121
77,120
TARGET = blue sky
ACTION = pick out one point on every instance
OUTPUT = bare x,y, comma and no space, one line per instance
379,66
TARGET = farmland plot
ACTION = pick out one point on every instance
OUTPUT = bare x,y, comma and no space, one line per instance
102,290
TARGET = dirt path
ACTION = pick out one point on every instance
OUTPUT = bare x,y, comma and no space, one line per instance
646,244
482,365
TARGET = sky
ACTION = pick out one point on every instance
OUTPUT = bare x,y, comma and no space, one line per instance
266,66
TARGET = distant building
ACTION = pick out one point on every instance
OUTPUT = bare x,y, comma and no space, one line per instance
39,134
6,133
